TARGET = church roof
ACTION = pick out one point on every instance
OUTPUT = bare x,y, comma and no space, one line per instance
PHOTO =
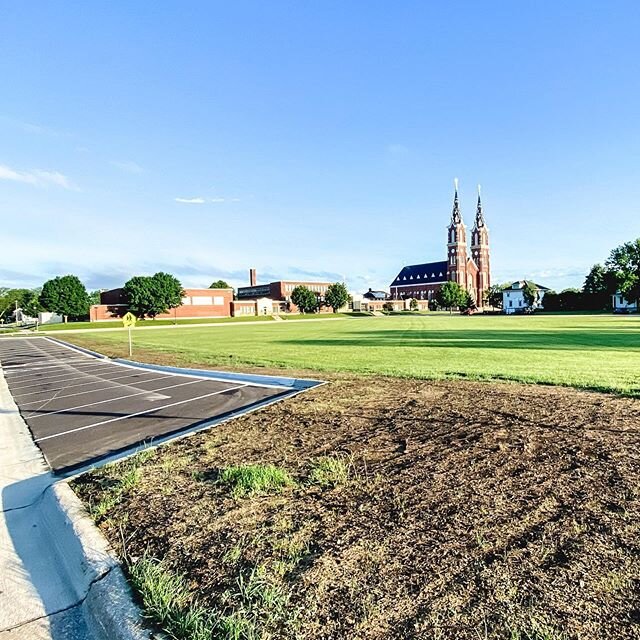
426,273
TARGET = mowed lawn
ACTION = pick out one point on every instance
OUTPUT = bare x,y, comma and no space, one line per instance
589,351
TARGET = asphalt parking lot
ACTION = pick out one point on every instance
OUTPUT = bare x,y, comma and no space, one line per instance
81,408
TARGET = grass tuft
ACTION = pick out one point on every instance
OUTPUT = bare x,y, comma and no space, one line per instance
331,471
250,479
166,600
117,479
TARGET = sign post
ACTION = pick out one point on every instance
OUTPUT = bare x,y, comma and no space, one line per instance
129,321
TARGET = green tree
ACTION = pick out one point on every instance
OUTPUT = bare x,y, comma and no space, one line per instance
493,295
530,293
304,299
336,296
30,303
220,284
66,296
94,297
468,302
25,299
149,296
450,295
596,280
10,299
413,304
624,263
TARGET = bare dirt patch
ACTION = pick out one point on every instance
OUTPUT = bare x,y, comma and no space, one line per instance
417,510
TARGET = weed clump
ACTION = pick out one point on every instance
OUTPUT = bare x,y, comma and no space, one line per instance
116,480
331,471
250,479
167,601
254,610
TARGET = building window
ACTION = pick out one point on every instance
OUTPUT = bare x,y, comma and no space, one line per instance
202,300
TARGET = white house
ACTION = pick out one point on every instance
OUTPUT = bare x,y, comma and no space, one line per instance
621,305
46,317
513,300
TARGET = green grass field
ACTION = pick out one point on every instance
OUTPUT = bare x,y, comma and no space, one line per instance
597,352
116,324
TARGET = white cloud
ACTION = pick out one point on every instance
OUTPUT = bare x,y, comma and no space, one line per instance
199,200
36,177
128,165
190,200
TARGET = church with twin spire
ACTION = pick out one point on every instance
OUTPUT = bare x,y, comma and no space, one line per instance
471,272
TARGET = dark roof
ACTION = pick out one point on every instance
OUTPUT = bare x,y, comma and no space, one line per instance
422,273
519,284
375,295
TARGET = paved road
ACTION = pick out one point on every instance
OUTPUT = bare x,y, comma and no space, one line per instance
80,408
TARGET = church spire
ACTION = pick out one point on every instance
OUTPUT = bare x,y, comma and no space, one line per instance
456,218
479,215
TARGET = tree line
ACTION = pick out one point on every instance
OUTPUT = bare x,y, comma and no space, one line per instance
619,274
65,295
145,296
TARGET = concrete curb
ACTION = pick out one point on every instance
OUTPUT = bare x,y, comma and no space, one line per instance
108,604
59,577
281,381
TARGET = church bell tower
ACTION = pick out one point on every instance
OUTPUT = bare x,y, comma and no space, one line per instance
457,245
480,253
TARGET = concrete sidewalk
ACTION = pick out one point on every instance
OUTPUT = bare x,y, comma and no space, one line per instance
58,577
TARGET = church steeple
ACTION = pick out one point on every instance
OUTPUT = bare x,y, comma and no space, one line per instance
457,244
479,217
480,253
456,217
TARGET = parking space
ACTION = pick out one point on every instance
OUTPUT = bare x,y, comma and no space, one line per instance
81,408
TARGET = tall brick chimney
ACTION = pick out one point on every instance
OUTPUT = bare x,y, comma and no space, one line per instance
252,278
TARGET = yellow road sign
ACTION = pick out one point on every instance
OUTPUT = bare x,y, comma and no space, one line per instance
129,320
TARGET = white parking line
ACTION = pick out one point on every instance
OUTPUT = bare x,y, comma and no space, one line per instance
138,413
46,380
27,367
84,384
131,395
47,370
115,385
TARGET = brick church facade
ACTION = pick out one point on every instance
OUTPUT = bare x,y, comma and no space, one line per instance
471,272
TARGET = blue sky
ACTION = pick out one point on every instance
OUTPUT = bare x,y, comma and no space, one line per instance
313,139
